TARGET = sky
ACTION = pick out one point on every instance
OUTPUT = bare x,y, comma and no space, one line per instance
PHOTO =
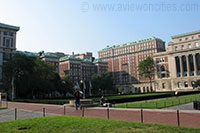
90,25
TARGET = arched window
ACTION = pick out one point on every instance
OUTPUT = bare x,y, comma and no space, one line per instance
147,89
179,84
163,85
186,84
162,72
143,89
192,83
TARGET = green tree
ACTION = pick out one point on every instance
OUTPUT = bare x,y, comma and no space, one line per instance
146,69
18,68
67,85
102,83
33,78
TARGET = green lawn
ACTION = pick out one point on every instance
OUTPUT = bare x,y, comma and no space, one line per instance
163,103
3,108
95,99
70,124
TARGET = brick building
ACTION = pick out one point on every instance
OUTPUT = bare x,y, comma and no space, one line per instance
80,69
123,61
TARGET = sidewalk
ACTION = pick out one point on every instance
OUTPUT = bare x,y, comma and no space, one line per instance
165,117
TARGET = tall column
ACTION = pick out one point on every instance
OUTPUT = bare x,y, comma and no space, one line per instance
181,65
195,64
188,66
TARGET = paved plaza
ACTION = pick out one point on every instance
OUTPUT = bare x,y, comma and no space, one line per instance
9,114
188,106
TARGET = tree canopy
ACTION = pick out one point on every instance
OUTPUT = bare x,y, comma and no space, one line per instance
146,69
102,84
33,78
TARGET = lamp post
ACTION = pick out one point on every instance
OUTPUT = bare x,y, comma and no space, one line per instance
83,87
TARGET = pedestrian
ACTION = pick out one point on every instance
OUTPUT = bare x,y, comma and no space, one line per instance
77,99
102,101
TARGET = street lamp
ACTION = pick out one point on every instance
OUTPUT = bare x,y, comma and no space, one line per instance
83,88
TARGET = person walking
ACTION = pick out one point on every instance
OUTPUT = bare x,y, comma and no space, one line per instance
77,99
102,101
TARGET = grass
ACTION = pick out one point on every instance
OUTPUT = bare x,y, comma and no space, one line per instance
137,95
3,108
71,124
111,99
162,103
95,99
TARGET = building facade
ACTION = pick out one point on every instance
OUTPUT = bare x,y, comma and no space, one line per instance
124,59
80,69
179,67
8,35
51,58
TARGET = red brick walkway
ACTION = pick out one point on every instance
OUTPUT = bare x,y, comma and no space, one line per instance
166,117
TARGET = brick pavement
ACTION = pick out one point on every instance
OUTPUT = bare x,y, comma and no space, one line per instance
166,117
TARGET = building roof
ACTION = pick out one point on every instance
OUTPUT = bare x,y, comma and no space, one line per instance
99,61
49,55
28,53
70,57
131,43
186,34
10,27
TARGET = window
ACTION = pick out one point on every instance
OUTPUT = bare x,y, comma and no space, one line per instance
192,83
162,72
180,40
163,85
7,33
192,37
179,84
186,38
7,43
162,59
186,84
196,44
176,48
182,47
189,45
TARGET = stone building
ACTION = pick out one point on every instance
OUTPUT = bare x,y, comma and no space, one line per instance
124,59
8,35
179,66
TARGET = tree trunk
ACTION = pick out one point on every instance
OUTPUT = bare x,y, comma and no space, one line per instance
150,83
